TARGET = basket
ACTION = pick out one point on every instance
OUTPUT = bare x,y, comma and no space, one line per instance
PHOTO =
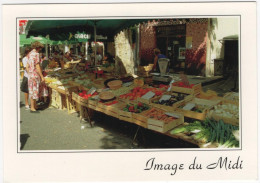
106,95
116,84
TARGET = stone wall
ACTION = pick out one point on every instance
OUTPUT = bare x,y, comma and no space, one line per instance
124,57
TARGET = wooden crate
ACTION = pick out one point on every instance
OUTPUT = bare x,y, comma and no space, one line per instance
140,119
56,100
111,110
215,116
82,100
72,105
64,104
190,138
186,99
92,104
195,90
75,97
201,103
127,101
231,97
232,121
145,100
124,115
162,126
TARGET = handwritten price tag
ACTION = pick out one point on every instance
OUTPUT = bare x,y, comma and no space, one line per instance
92,90
165,97
189,106
172,115
148,95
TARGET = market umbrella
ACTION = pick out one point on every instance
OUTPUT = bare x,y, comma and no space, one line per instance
24,41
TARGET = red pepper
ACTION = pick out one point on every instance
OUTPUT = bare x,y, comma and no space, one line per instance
131,109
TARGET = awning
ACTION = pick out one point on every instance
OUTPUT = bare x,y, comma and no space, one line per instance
27,41
60,29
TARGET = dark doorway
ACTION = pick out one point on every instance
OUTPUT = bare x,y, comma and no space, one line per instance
230,66
230,56
169,40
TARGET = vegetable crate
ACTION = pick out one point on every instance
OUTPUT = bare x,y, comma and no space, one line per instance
82,100
186,99
163,126
111,110
72,105
200,104
75,97
92,103
140,119
226,111
145,100
195,90
56,99
186,136
231,97
209,95
124,115
64,104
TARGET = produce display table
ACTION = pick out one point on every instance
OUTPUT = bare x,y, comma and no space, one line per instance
162,112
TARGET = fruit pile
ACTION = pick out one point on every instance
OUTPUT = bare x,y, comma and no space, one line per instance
136,108
163,86
139,92
182,84
158,115
84,94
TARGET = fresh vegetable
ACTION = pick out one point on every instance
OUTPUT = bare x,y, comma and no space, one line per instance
139,92
210,131
175,97
84,94
136,108
158,115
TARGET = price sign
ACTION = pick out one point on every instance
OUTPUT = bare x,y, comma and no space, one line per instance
170,85
172,115
189,106
92,90
148,95
165,97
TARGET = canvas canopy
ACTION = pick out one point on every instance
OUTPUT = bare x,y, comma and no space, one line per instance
61,29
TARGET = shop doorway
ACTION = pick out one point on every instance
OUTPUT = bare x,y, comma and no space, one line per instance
171,41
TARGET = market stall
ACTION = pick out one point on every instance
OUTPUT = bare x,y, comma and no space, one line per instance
165,103
176,110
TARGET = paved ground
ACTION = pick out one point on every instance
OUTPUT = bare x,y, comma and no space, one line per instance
54,129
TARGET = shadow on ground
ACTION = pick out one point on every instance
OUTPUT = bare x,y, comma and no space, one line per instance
23,140
22,104
118,131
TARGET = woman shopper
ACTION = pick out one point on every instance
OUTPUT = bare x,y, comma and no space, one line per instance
24,85
158,55
35,75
